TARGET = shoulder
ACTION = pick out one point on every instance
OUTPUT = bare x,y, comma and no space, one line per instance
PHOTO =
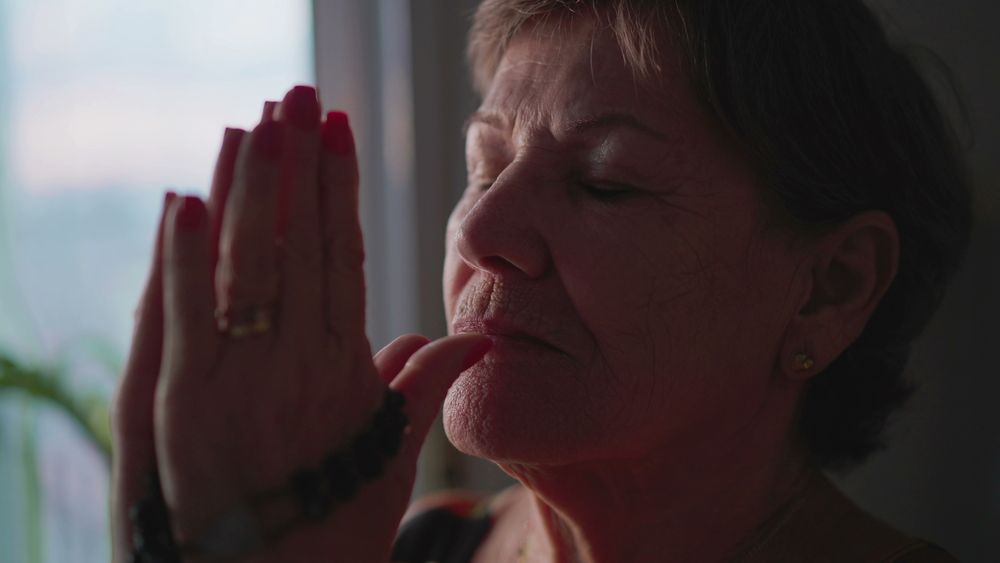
922,552
828,526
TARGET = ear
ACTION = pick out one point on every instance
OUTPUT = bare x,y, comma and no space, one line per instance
849,269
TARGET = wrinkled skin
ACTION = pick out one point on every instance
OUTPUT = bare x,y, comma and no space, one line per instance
647,303
644,310
225,418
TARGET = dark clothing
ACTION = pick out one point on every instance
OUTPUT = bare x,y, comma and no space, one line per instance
821,525
441,536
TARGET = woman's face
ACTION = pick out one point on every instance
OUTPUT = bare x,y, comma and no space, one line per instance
613,247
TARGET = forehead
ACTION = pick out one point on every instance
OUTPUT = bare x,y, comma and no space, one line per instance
563,72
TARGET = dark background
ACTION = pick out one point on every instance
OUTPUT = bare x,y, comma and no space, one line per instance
940,478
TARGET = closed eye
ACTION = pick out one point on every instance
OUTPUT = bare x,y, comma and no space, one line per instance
607,191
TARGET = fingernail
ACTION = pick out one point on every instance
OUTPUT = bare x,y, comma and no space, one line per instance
268,139
268,113
231,141
191,214
301,107
337,137
477,353
231,132
168,197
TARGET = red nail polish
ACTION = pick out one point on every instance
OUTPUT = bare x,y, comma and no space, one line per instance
268,139
168,197
337,137
477,353
301,107
231,134
191,214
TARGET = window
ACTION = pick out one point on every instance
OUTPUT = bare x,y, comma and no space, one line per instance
105,104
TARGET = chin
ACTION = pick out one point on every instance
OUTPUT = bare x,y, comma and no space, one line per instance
515,413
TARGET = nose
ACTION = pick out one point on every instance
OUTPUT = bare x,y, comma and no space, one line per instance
501,234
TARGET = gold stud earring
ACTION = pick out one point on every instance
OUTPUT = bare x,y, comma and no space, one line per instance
802,362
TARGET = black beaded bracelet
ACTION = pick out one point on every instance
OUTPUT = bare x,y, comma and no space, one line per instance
315,491
337,479
152,540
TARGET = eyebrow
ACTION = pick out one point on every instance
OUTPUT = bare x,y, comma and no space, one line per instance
579,126
489,118
616,120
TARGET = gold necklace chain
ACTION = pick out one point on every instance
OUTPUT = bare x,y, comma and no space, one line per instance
522,551
756,548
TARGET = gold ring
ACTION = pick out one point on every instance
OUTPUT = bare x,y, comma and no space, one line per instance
251,320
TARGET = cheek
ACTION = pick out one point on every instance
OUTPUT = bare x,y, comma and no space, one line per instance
678,314
633,294
456,277
456,272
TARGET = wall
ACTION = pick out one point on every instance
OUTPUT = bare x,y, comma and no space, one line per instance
940,477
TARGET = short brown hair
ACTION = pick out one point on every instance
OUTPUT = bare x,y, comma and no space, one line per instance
835,121
635,25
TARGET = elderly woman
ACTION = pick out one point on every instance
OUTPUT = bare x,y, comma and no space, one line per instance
698,240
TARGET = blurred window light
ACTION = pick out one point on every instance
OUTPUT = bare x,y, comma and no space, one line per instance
110,103
133,94
105,104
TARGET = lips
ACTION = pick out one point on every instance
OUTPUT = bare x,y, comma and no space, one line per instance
508,311
498,328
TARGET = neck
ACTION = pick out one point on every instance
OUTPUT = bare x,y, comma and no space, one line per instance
702,500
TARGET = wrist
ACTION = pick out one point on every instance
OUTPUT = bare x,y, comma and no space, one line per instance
276,521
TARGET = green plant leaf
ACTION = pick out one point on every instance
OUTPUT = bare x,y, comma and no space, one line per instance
32,490
90,411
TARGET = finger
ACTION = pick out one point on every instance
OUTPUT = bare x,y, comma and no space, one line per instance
428,375
342,243
132,407
268,113
301,261
391,359
246,276
190,338
222,181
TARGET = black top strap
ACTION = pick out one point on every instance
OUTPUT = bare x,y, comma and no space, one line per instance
440,536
